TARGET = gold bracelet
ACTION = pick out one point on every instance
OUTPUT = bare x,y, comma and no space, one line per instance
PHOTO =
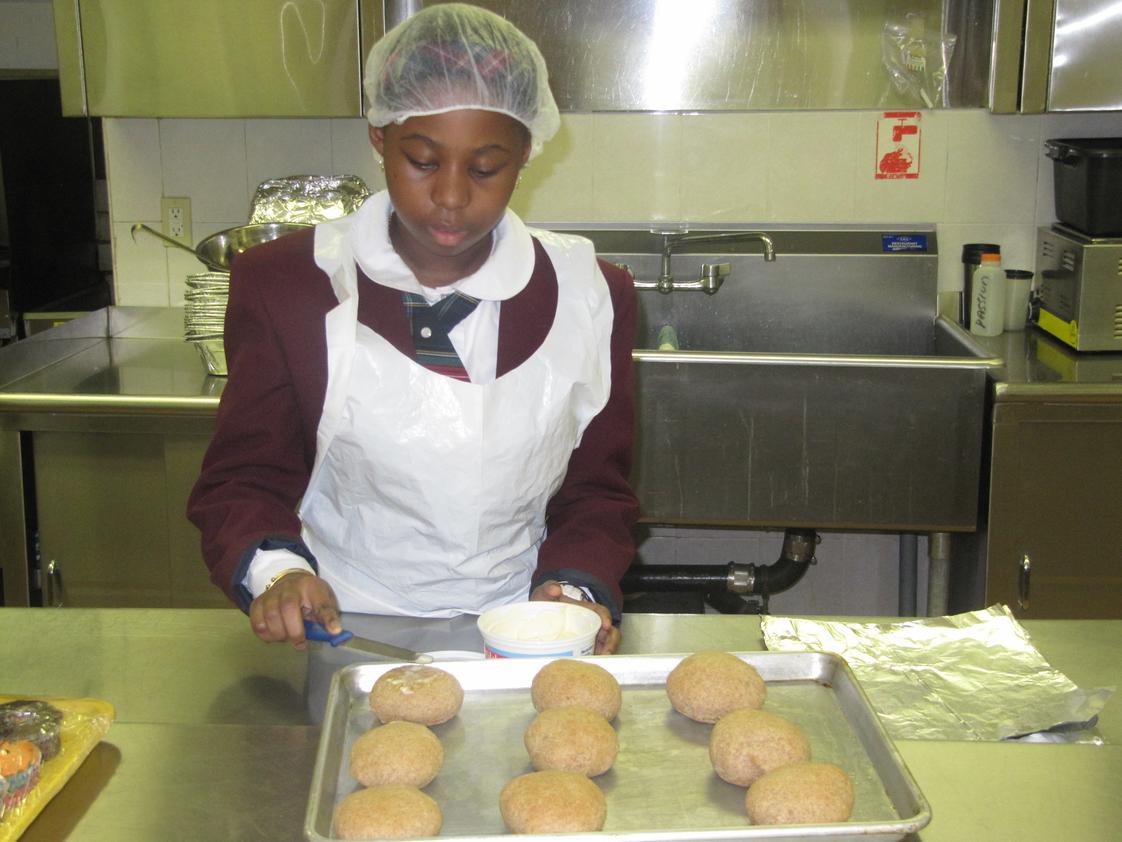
284,573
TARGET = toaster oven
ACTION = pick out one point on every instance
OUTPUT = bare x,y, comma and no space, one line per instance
1078,296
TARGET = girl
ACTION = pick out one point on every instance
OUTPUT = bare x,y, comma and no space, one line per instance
429,405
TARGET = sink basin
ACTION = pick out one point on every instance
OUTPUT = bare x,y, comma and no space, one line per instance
821,390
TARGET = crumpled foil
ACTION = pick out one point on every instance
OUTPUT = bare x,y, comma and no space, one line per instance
307,198
973,676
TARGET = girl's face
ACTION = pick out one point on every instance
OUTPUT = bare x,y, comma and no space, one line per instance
450,177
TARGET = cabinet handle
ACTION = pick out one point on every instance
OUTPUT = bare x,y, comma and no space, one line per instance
52,595
1024,582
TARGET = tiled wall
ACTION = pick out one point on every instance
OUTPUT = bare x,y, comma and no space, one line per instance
982,177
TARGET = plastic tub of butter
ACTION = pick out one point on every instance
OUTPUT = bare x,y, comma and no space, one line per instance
538,630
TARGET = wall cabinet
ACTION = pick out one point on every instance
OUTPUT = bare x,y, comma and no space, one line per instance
303,58
210,58
1051,547
1056,55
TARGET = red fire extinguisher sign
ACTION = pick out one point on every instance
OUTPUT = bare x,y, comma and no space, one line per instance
898,145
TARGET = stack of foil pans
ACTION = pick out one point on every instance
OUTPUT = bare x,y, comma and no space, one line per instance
305,199
204,317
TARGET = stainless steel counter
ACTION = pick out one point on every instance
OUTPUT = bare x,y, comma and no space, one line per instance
118,387
213,740
1040,367
134,359
115,360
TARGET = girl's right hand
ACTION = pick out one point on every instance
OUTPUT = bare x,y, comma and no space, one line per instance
279,613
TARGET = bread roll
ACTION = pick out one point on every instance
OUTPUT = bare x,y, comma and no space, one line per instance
746,743
705,686
574,739
416,693
398,752
552,802
801,793
394,811
565,681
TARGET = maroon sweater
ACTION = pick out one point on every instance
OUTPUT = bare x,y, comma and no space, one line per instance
259,462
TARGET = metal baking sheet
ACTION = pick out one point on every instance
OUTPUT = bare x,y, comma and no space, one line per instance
662,786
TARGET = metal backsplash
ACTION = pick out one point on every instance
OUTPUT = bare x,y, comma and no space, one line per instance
715,55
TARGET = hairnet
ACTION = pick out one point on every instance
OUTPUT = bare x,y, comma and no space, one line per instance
452,56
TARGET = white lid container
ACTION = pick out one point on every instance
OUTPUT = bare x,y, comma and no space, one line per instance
539,630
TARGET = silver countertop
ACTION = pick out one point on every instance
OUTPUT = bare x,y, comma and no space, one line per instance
114,360
213,741
134,360
1040,367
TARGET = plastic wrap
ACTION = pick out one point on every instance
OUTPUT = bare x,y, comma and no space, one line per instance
916,60
84,723
973,676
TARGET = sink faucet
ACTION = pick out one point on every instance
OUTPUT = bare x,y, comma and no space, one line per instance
712,274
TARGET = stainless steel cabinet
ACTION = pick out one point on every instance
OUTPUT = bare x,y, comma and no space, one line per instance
1054,509
210,58
216,58
103,425
111,519
1057,55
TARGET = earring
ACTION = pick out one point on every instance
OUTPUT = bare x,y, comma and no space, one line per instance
381,165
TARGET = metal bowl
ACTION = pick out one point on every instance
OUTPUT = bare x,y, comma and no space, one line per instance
219,250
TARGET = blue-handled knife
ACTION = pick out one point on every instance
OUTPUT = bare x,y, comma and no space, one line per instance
346,639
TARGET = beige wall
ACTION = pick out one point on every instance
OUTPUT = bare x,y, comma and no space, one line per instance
982,177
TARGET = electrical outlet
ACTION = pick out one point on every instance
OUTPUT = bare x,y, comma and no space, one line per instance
175,218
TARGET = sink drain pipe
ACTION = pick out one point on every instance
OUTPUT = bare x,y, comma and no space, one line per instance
733,578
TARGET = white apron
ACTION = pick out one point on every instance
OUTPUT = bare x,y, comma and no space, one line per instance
428,494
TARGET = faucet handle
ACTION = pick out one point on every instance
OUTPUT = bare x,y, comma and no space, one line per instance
713,275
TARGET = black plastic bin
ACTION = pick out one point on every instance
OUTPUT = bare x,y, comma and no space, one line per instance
1088,182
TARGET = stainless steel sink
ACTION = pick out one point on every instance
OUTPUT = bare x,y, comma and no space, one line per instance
818,390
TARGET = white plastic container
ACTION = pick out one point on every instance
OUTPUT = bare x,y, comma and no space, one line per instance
539,630
987,301
1017,285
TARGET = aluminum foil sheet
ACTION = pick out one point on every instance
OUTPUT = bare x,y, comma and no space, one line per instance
307,198
973,676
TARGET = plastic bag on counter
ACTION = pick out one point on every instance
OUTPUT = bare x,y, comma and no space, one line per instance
916,61
43,741
973,676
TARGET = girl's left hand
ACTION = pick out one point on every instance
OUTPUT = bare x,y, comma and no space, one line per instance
607,639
